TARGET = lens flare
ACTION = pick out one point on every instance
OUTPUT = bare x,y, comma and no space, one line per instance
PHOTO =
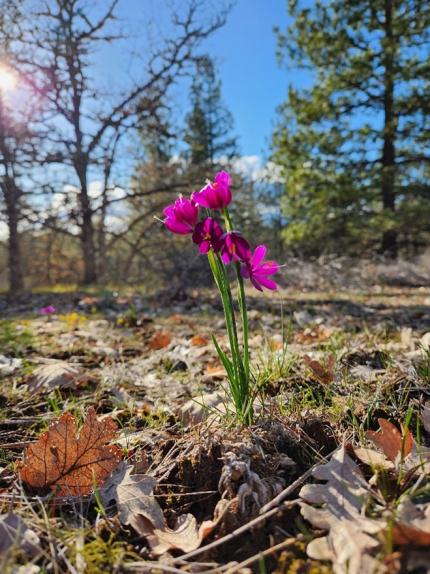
8,79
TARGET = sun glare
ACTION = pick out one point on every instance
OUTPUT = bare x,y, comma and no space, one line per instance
7,78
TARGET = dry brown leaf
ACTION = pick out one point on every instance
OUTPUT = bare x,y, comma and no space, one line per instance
159,340
405,535
215,371
137,507
390,440
373,458
133,494
351,542
68,463
316,334
199,341
322,372
52,375
196,410
412,527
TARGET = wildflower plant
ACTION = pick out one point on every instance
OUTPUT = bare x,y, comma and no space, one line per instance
205,216
48,310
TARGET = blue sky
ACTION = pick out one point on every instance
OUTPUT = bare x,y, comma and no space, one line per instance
244,49
253,83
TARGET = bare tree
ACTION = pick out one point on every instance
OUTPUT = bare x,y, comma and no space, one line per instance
18,137
85,121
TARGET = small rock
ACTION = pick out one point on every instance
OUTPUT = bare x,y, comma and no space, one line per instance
8,365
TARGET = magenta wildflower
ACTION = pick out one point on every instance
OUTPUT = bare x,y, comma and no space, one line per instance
234,247
181,216
258,270
207,234
48,310
215,195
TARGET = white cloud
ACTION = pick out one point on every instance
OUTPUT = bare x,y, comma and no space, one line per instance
252,167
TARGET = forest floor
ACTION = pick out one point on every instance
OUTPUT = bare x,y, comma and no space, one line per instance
332,476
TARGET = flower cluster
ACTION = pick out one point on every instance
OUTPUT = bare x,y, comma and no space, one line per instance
183,217
48,310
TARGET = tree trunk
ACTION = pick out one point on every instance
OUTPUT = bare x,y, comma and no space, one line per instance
87,232
388,160
11,195
90,269
16,279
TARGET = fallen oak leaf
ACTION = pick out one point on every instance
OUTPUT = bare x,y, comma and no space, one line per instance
323,373
373,458
199,341
391,441
351,543
52,375
186,535
405,535
138,507
68,464
412,524
400,453
133,494
215,371
159,340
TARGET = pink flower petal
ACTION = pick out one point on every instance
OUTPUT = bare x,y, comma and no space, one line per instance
169,210
268,283
268,268
222,178
259,255
176,226
256,283
201,198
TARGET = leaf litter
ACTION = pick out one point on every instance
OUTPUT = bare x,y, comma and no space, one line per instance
178,479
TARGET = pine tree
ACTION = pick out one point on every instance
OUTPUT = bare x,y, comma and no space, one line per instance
354,147
209,123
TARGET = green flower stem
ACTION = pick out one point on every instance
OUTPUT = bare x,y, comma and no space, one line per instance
237,368
241,299
236,371
226,286
244,315
220,282
241,383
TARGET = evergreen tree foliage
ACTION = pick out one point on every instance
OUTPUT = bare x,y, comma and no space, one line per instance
354,146
209,123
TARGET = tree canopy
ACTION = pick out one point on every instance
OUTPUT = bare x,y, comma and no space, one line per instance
354,145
